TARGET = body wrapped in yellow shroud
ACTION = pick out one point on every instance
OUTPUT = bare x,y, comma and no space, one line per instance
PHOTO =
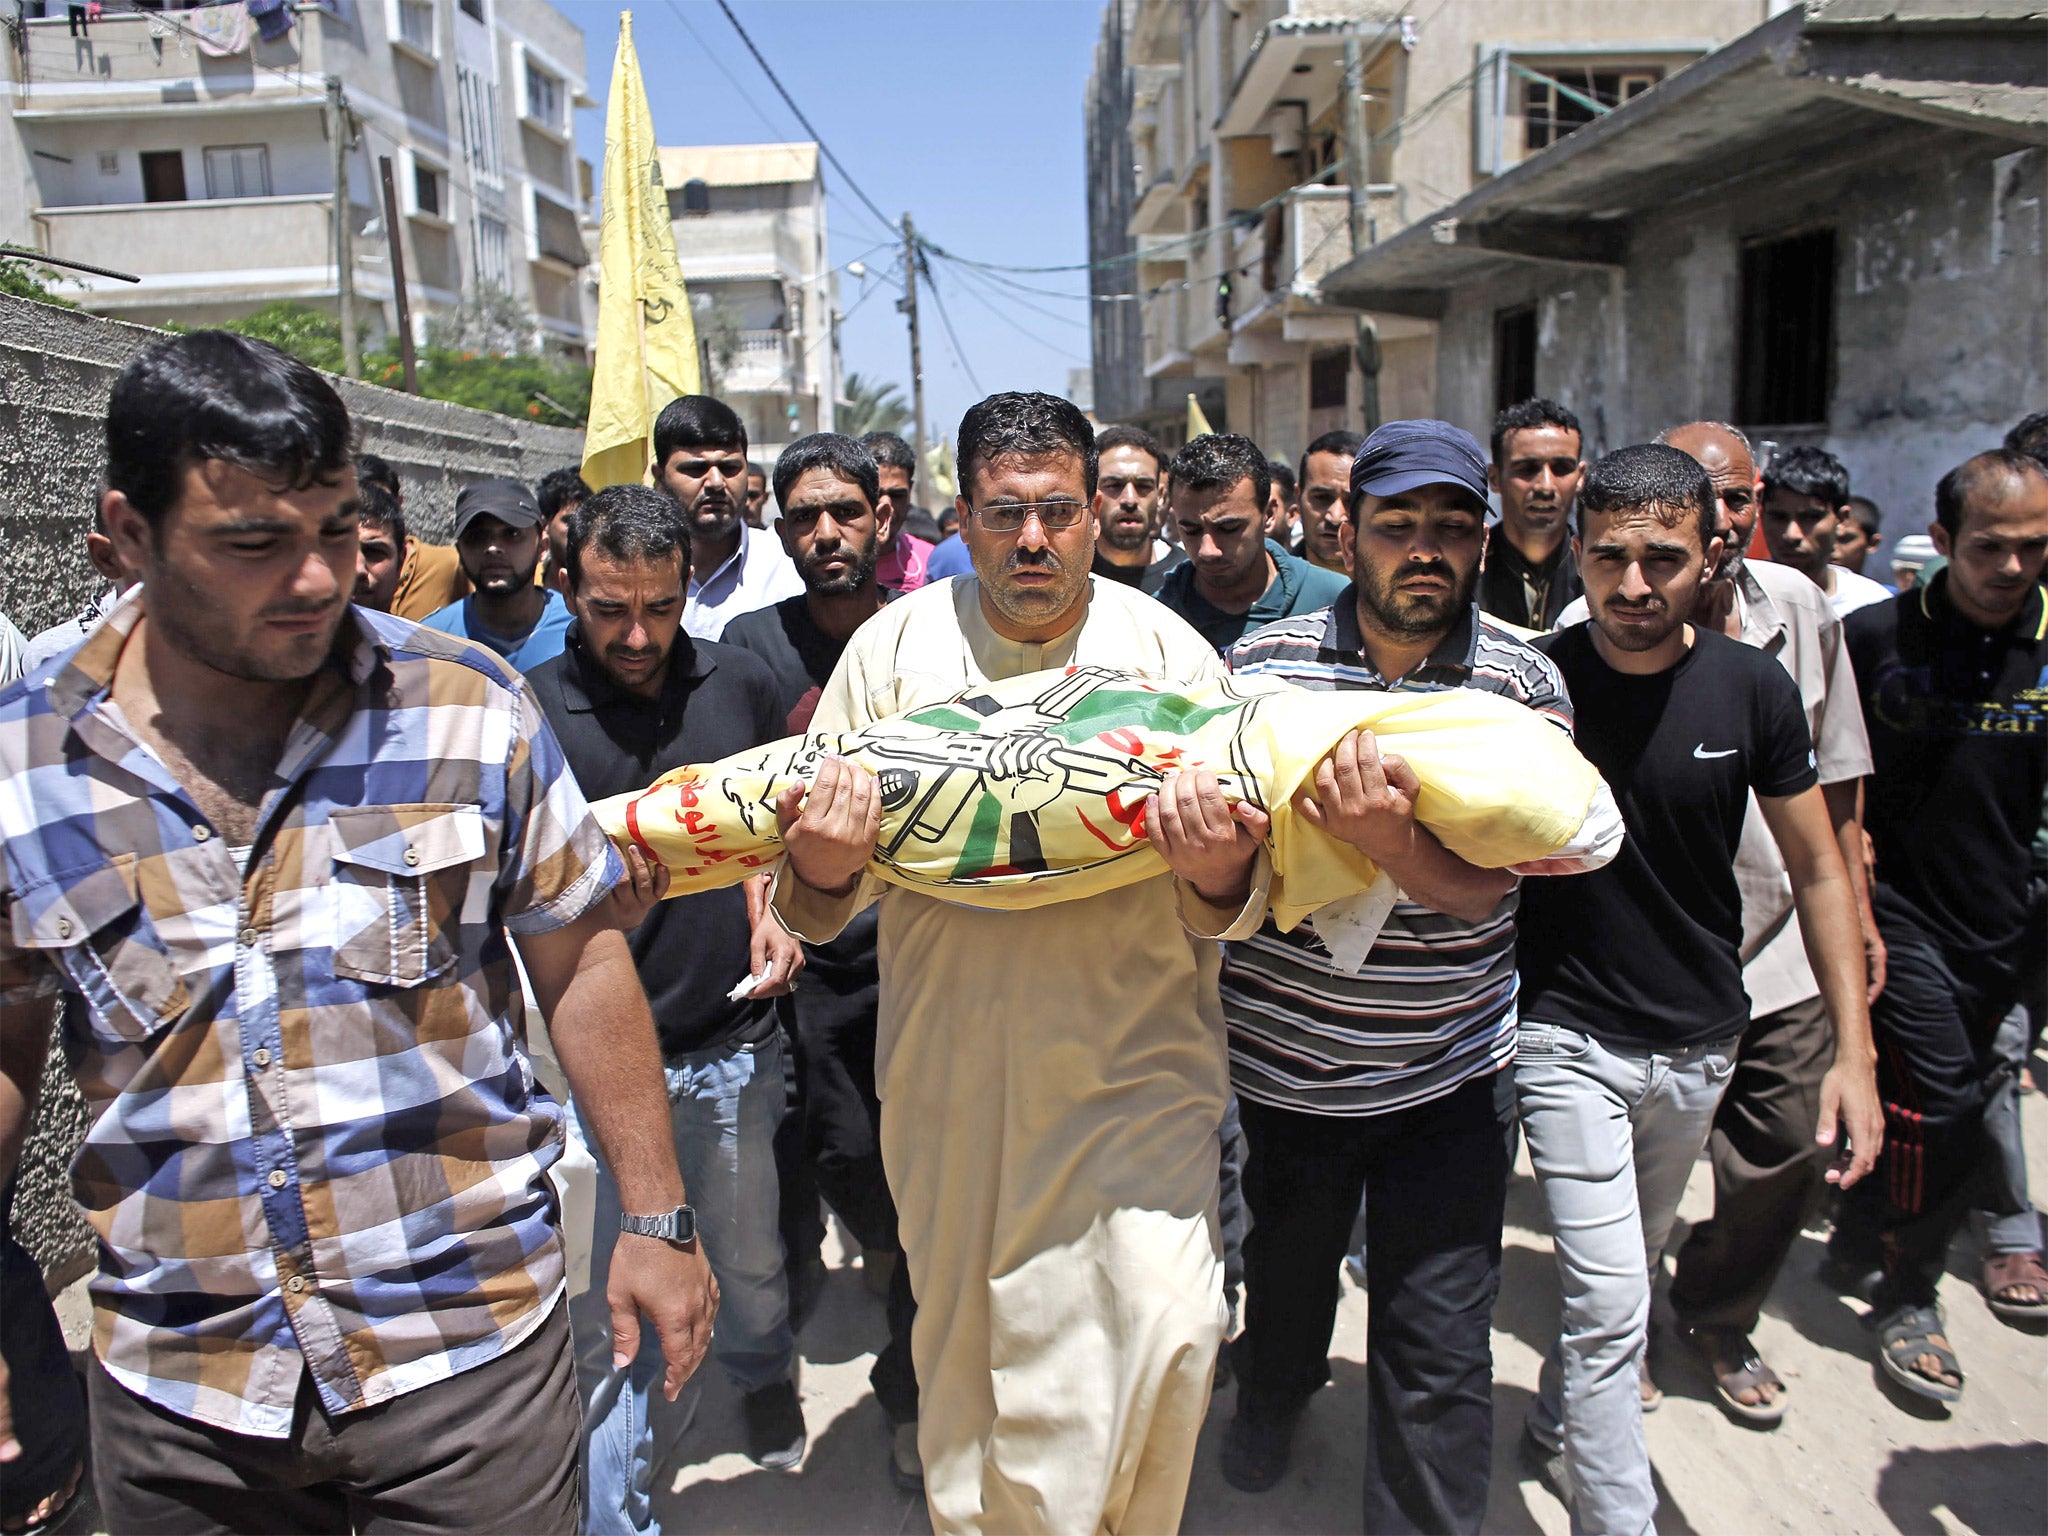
1032,790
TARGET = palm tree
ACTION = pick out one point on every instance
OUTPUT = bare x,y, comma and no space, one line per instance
871,408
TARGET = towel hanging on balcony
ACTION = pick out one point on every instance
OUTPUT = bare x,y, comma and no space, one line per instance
273,18
220,30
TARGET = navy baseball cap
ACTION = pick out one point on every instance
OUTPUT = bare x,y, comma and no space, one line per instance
509,501
1404,454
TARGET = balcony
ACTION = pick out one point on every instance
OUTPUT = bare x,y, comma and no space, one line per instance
1166,348
761,364
137,62
762,244
218,251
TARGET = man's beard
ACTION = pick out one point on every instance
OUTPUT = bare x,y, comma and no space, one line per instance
1413,613
849,580
1644,637
714,522
193,627
1032,606
513,582
1127,536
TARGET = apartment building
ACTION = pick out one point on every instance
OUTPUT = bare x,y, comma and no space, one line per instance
1218,199
750,233
191,149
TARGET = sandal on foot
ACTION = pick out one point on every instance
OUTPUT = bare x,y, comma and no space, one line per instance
1716,1347
1903,1336
2005,1272
59,1507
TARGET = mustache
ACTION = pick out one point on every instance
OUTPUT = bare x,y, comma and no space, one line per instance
1436,570
300,610
1033,559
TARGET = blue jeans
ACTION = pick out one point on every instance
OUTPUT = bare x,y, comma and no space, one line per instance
725,1104
1613,1131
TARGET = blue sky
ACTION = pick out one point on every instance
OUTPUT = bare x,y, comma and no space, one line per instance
967,113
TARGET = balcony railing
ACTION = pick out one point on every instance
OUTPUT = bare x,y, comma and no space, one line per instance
270,234
761,362
158,51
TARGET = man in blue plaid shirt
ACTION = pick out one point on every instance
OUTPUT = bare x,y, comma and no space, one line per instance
268,849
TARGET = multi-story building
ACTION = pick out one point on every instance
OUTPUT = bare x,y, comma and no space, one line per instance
184,147
750,234
1219,198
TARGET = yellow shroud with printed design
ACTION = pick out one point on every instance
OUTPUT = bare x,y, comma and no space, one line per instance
1032,790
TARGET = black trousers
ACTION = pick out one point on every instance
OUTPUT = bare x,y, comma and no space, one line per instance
1434,1181
1935,1025
46,1396
1767,1168
835,1006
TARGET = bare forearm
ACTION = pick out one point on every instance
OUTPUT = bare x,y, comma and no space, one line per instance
1845,815
1831,928
1430,875
604,1038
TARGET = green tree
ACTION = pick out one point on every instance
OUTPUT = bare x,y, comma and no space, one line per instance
871,408
21,279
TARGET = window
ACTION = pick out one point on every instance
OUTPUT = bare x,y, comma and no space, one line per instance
1328,375
416,25
543,97
492,268
473,9
426,190
238,170
478,99
1787,342
163,176
1514,356
556,234
1557,102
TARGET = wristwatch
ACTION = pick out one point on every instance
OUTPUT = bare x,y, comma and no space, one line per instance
676,1226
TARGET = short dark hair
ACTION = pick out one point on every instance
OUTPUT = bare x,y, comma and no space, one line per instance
1806,471
627,522
697,421
1525,414
1118,435
1215,461
1283,476
890,452
948,519
2030,436
376,506
375,469
1976,474
557,489
215,395
756,467
1024,424
1648,475
844,456
1340,440
1864,512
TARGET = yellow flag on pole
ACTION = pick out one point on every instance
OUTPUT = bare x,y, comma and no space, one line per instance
646,340
1198,424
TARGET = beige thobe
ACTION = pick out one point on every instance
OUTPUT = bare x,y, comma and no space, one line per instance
1051,1083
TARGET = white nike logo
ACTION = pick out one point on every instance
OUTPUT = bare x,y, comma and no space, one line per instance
1703,754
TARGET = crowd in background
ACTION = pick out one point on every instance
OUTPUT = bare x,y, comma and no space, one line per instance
1817,957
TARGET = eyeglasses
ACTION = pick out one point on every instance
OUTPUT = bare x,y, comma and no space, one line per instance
1008,516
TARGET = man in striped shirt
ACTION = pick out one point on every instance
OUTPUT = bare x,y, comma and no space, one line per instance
1386,1078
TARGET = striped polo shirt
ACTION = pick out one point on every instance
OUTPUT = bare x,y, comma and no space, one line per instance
1434,1004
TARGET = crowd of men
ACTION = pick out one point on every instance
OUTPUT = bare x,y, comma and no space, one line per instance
298,833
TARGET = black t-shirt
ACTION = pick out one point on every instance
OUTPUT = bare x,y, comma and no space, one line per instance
802,657
1148,579
1958,722
715,701
1645,952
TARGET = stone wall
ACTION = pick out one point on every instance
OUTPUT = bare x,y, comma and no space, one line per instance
56,369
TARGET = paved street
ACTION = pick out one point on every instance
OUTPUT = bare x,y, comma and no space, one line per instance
1847,1459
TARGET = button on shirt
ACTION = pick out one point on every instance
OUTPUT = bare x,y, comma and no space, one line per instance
1434,1004
756,574
316,1143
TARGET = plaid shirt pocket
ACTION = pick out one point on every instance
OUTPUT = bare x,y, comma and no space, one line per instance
91,924
400,879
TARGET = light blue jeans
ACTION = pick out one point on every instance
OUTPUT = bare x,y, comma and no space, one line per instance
724,1105
1613,1132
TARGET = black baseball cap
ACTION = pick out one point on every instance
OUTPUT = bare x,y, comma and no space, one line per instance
509,501
1405,454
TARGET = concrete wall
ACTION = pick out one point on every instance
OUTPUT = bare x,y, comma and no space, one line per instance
56,368
1941,315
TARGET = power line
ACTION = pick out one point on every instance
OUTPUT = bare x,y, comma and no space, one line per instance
823,148
952,337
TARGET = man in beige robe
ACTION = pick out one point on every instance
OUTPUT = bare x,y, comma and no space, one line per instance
1051,1079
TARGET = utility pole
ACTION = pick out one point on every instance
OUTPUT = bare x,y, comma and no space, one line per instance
344,237
393,238
1358,174
908,305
